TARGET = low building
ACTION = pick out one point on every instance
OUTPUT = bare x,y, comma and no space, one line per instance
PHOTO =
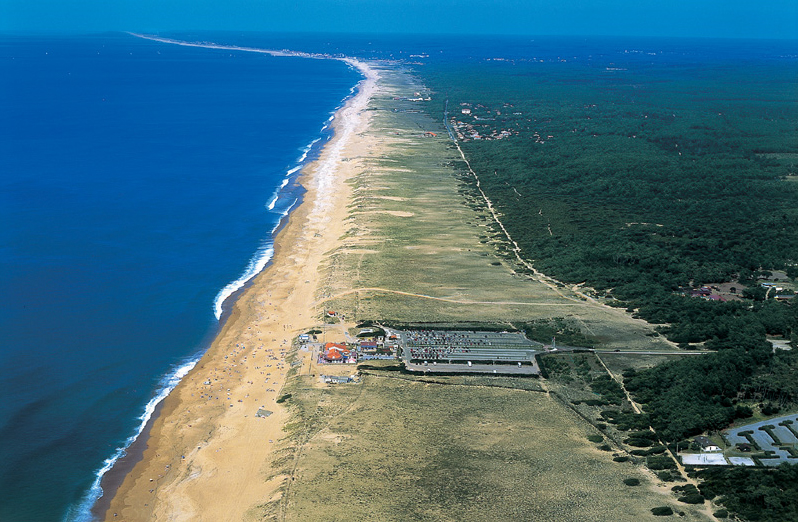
706,444
338,353
368,346
336,379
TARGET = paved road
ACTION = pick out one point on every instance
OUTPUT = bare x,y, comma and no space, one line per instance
636,352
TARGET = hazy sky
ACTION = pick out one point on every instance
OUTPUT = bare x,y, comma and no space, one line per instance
710,18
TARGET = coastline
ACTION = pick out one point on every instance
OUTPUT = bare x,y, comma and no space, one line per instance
110,481
181,453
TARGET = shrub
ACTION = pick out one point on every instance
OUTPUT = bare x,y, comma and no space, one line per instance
769,430
679,446
665,476
605,447
284,397
662,511
659,462
638,443
626,421
631,482
620,458
721,513
644,434
595,438
692,498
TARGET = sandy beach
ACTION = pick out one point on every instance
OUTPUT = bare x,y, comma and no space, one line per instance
208,453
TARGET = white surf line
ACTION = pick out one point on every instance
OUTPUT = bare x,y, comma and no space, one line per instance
81,512
359,96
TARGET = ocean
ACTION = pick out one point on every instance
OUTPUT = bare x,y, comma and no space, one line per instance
140,184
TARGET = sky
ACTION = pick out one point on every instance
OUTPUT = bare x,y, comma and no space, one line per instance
682,18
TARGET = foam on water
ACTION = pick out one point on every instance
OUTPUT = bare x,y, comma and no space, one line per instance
264,254
82,511
273,201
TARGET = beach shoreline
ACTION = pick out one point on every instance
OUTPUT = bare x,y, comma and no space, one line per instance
213,409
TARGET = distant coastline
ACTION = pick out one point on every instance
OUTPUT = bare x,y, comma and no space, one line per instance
227,297
111,475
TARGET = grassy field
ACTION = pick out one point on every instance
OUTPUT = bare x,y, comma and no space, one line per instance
402,449
417,250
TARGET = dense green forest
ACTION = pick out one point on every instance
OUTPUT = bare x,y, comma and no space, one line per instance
646,179
697,394
640,182
763,495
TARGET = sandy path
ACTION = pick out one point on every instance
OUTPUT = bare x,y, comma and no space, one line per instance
208,454
375,290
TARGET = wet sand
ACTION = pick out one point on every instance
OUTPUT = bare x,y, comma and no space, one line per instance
208,454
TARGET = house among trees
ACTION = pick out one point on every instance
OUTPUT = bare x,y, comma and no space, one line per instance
706,444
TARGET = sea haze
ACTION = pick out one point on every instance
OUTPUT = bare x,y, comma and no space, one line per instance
136,180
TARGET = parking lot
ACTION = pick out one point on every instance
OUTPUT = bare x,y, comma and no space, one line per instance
785,436
469,352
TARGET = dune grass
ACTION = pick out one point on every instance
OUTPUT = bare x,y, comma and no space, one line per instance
420,249
398,449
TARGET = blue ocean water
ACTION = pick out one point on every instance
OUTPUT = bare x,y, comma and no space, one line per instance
137,180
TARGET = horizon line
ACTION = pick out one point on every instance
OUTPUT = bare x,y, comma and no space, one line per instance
79,32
